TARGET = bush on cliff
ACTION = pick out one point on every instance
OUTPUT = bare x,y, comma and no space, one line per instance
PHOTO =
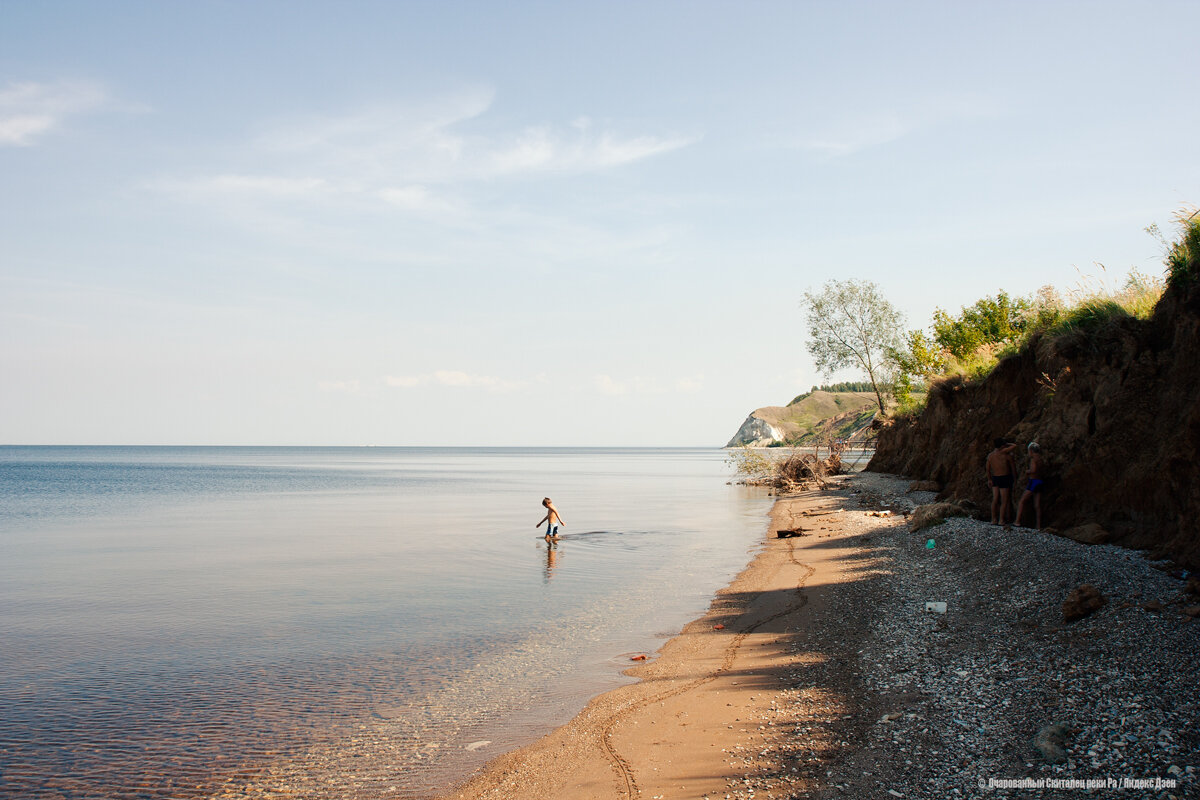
1183,256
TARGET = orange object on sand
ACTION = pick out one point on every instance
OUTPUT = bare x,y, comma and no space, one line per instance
718,627
637,658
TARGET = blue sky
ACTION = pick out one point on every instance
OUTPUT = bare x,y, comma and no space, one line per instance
541,223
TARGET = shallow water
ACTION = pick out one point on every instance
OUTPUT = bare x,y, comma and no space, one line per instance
179,622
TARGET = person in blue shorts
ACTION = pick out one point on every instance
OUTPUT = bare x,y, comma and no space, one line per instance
1001,469
552,519
1033,488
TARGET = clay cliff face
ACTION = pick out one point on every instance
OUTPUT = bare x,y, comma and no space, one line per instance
1116,413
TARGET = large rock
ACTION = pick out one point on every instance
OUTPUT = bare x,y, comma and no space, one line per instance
1083,600
935,514
1091,533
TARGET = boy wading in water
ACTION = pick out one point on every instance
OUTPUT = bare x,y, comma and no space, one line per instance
552,519
1034,487
1001,469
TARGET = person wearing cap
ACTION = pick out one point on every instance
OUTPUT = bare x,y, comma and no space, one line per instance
1034,487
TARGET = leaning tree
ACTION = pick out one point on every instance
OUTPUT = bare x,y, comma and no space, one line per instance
851,324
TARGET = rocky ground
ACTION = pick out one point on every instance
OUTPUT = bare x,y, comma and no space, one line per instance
996,697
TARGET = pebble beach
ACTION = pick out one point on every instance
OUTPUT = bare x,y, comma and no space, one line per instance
820,672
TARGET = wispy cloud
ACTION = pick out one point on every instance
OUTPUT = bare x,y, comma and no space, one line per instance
455,379
613,387
415,198
545,149
343,387
414,158
267,185
606,385
863,133
837,135
29,111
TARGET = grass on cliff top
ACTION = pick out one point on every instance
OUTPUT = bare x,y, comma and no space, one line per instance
1088,308
1183,256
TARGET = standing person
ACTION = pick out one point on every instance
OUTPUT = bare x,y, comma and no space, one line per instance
552,519
1033,488
1001,468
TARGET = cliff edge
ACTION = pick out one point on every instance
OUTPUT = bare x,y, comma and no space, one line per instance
1115,411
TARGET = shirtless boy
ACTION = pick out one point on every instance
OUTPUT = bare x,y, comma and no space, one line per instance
552,519
1034,487
1001,470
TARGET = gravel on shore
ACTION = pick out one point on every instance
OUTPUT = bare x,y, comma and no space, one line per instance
997,697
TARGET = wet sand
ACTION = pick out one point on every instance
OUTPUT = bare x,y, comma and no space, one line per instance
708,704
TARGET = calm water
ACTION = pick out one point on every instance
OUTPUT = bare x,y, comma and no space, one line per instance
189,622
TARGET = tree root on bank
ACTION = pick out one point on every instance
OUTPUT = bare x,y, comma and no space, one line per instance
798,472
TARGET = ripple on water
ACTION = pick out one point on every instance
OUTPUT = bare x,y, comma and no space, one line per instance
348,642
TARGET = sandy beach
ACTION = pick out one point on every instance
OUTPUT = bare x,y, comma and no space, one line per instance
819,673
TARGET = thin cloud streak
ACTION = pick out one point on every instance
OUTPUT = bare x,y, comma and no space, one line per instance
838,137
454,379
29,110
404,157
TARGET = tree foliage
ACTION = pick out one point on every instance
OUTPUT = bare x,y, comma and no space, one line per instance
851,324
992,320
843,386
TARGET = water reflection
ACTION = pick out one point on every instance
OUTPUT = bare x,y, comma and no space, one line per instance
551,559
184,623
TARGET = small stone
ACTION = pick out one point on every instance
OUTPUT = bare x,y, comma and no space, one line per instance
1192,611
1174,770
1049,742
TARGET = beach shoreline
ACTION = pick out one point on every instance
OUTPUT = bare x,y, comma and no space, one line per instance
692,717
818,672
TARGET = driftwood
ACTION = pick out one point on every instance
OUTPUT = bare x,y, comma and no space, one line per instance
801,471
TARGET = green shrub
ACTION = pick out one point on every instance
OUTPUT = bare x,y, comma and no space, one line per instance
752,465
992,320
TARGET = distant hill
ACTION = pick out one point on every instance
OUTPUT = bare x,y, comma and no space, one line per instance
811,417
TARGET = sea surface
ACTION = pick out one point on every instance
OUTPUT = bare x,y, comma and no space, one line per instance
333,622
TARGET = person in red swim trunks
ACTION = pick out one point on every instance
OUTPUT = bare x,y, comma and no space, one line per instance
1033,488
1001,469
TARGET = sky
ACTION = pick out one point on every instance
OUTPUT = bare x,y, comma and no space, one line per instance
542,224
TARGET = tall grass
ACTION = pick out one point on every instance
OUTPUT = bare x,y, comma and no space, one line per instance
1183,256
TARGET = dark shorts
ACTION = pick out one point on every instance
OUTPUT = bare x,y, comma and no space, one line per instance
1035,485
1002,481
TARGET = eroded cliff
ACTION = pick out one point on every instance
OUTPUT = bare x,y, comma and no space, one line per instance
1115,410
